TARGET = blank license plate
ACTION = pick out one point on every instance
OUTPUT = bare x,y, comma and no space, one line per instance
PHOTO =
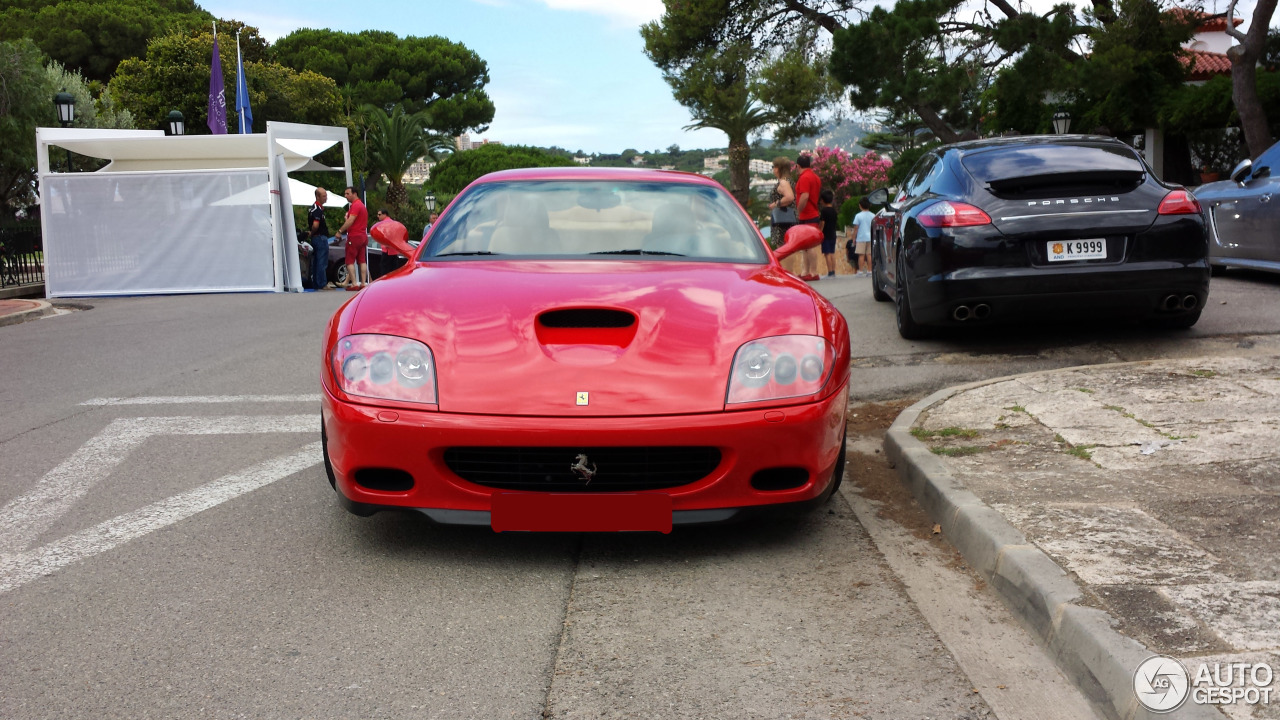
573,512
1095,249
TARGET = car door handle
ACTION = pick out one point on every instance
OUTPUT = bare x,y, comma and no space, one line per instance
1265,198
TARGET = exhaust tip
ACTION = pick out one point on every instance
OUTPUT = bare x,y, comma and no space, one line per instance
1190,302
1171,302
981,311
961,313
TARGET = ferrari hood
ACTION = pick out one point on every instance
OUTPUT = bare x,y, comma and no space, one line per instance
582,337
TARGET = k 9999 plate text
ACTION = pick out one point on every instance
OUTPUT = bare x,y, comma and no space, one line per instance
1077,250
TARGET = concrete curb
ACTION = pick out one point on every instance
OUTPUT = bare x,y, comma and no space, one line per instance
41,309
1099,660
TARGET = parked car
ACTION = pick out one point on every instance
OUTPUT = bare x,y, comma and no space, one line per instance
380,262
586,349
1042,228
1244,215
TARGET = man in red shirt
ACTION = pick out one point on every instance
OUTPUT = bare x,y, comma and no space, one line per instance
355,228
807,188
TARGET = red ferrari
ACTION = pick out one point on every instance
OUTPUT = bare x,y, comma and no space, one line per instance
579,349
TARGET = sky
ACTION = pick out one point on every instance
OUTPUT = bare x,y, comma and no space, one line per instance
570,73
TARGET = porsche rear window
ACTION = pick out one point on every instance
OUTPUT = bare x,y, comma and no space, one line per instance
1023,161
596,219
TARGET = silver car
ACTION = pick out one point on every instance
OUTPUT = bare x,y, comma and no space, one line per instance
1244,215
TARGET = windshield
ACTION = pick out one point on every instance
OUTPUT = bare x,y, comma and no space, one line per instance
596,219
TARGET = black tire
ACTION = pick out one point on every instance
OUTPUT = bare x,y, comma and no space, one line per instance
1179,322
324,449
877,278
1217,270
908,328
837,475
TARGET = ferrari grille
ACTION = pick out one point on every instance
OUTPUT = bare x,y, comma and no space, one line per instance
597,469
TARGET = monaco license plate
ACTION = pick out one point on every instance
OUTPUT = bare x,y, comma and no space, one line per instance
1060,250
580,512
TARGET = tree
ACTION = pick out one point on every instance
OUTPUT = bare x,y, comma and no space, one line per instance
381,69
27,87
737,115
396,141
1244,74
175,75
458,170
94,36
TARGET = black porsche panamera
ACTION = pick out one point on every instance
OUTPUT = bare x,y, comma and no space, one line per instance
1040,228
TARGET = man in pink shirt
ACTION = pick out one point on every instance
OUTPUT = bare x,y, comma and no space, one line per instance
807,188
355,228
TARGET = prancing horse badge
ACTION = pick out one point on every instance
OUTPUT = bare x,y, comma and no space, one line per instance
582,398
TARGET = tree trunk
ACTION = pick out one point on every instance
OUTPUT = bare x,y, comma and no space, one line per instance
739,166
1244,72
396,194
939,126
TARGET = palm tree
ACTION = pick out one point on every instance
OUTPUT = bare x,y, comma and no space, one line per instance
737,117
396,141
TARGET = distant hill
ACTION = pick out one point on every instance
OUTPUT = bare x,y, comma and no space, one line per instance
837,134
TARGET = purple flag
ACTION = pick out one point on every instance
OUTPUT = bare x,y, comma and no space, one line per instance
217,94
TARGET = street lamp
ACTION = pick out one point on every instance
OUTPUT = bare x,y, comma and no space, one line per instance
1061,122
430,200
177,123
65,102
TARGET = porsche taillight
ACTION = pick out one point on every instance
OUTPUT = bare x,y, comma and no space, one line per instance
1179,202
385,367
779,367
945,213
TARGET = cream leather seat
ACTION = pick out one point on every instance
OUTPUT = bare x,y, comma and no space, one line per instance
525,230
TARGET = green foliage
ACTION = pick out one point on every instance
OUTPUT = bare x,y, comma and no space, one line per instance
396,142
94,36
458,170
900,59
903,163
848,209
1134,67
175,76
381,69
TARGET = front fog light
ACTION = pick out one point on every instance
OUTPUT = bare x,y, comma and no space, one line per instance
766,369
385,367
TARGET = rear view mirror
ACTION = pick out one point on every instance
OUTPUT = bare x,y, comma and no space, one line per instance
1242,171
878,197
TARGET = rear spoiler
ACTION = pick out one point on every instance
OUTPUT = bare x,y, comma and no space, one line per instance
1083,177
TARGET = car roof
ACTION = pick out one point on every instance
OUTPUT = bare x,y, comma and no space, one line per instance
597,173
972,146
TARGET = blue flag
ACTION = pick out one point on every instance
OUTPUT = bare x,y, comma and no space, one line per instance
217,93
243,112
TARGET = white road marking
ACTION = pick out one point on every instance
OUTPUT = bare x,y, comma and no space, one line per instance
26,516
18,569
201,399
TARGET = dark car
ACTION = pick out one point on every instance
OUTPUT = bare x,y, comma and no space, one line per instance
1046,228
1244,220
380,262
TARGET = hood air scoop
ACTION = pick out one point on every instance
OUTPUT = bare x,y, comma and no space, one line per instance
587,318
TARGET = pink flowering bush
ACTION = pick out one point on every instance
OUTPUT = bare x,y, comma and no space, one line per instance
850,175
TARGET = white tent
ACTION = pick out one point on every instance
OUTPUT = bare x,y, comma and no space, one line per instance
195,213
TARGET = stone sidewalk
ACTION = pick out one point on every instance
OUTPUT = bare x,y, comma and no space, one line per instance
1154,485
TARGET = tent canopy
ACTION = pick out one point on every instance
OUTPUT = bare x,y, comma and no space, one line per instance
158,152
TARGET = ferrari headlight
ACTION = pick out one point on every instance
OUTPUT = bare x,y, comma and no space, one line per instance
385,367
780,367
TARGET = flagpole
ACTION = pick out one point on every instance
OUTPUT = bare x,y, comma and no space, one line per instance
239,74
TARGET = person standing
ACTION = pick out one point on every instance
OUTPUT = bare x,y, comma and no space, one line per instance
862,247
431,221
782,202
808,186
318,229
827,213
355,228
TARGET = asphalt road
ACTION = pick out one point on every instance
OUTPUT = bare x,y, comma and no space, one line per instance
169,547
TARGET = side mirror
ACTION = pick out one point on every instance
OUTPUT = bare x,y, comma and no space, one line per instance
879,196
799,237
1241,171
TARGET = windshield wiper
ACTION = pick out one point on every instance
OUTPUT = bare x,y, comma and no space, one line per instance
636,251
471,252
